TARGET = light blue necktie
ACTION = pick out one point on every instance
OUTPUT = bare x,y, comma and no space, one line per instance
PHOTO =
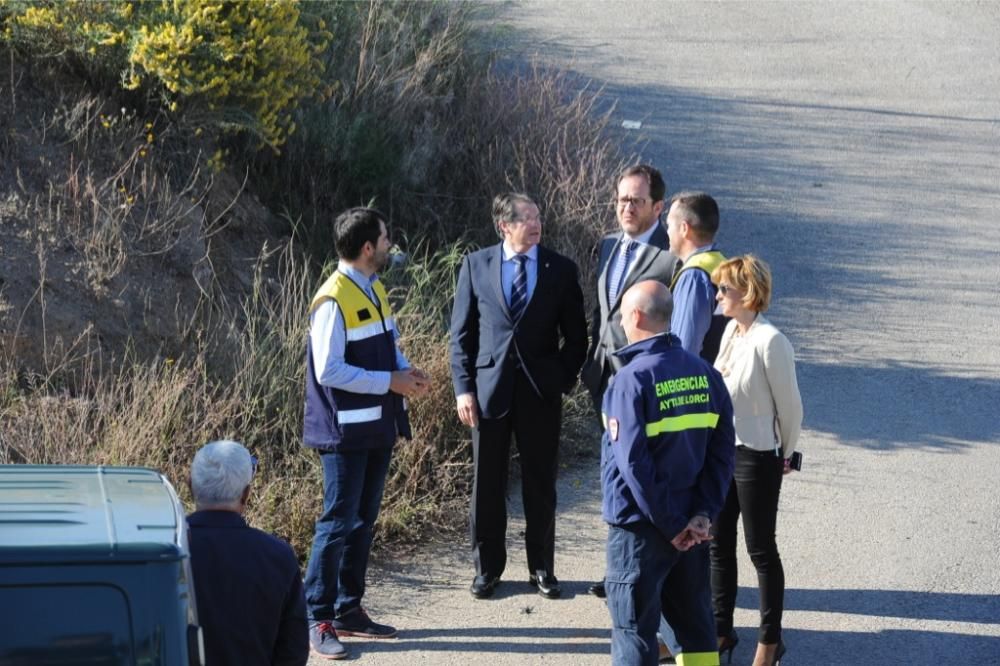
519,290
617,277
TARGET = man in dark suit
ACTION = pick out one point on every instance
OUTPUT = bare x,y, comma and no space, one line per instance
518,339
247,582
639,251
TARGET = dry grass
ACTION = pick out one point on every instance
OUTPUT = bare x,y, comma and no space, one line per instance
417,125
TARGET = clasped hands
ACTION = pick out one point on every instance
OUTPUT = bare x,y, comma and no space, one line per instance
410,383
695,533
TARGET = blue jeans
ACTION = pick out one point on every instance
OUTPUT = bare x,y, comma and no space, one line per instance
352,495
647,578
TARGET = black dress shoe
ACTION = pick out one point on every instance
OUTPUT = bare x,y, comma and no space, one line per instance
546,583
597,589
482,586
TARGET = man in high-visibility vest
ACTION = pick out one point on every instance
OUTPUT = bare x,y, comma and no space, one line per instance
692,223
356,382
666,464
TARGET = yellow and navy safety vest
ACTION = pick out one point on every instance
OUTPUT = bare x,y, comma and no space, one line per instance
339,420
707,262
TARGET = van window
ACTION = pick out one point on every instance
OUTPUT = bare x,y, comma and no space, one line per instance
64,624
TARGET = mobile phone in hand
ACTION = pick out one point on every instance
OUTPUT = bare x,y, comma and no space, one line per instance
795,462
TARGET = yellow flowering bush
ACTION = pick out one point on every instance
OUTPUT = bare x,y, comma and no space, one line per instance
239,65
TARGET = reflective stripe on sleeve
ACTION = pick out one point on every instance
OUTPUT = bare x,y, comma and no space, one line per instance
685,422
367,331
359,415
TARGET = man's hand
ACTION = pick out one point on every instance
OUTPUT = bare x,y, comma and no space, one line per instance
409,383
468,410
695,533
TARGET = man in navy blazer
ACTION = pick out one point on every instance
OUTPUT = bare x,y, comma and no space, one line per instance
518,339
247,583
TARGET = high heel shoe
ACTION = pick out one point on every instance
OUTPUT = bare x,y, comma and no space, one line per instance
728,644
779,652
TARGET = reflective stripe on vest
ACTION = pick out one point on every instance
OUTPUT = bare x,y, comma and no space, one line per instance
683,422
359,415
369,330
706,261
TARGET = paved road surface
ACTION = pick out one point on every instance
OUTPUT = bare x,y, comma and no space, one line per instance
856,147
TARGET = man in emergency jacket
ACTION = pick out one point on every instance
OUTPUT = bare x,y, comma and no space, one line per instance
666,464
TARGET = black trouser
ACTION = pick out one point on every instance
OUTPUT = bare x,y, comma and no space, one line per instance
534,424
754,493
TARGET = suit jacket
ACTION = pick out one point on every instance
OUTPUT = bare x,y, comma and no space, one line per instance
656,262
249,592
487,345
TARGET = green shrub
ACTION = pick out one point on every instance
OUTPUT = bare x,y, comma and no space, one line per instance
236,66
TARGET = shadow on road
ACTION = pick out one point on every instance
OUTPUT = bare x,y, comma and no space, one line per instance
508,640
891,646
899,406
913,605
843,202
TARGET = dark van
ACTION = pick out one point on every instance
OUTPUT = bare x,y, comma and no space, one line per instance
94,569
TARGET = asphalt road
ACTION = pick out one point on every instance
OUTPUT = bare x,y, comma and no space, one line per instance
856,147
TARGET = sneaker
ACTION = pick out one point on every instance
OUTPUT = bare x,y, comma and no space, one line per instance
357,623
324,642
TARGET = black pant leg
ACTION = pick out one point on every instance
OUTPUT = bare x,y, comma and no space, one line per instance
536,430
488,508
725,571
758,482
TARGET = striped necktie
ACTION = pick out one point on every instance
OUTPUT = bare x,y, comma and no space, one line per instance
519,290
617,277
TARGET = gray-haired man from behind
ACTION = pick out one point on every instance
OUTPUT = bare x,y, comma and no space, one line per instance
247,583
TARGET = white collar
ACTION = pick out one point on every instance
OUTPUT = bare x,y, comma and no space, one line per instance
508,252
644,236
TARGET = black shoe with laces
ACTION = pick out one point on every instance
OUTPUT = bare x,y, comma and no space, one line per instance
547,584
483,586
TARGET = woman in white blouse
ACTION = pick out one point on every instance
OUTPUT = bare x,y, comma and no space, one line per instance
758,365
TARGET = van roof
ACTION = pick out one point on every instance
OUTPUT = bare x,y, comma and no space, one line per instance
67,513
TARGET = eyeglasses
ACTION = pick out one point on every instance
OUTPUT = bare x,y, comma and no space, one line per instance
725,289
624,202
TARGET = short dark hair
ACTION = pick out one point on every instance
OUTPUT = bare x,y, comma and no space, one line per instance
700,211
657,187
355,227
503,207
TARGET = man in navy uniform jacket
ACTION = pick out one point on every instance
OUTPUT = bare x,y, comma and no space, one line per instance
247,582
666,465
